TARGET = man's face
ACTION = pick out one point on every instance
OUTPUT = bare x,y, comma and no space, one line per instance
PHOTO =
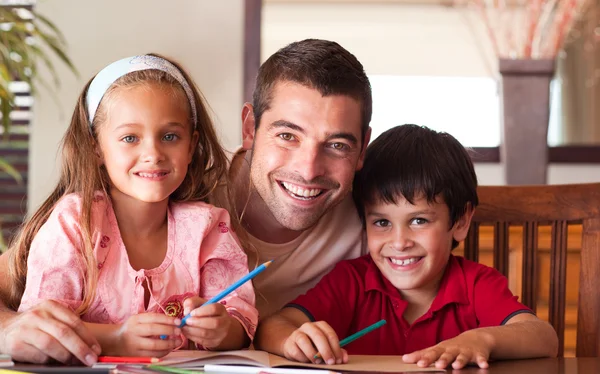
304,153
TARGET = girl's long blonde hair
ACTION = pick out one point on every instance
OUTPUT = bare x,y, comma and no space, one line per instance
81,174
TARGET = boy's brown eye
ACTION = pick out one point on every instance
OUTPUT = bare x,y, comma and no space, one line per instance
286,136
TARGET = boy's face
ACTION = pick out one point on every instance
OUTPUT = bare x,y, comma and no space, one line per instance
411,244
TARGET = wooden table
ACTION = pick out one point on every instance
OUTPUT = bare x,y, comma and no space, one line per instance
583,365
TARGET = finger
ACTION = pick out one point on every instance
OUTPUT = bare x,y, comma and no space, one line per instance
444,360
59,341
461,361
209,323
209,310
344,356
291,351
156,318
192,303
331,350
482,361
76,324
154,329
157,345
411,358
429,356
305,344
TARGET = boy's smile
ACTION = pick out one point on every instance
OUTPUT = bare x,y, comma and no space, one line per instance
411,244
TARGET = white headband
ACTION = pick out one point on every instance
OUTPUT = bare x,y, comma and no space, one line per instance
107,76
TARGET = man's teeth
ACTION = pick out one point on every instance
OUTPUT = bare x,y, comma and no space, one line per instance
304,192
408,261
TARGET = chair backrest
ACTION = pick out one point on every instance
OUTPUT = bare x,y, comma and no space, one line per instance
557,206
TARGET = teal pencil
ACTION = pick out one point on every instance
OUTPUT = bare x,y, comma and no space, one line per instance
358,334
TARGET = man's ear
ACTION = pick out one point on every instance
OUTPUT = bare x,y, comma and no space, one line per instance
461,227
248,126
363,150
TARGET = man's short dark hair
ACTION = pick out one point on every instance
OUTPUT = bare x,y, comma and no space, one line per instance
319,64
410,161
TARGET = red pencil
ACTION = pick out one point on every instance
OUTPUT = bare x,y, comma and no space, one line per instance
129,360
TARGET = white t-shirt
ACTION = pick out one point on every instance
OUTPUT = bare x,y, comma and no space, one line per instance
301,263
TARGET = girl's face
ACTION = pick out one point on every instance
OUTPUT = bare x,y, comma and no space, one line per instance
146,142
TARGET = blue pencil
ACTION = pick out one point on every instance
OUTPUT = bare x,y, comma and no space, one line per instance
228,290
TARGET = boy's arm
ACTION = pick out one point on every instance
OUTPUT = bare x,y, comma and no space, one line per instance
273,331
523,336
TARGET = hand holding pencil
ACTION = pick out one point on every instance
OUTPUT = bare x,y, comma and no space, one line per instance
207,326
317,342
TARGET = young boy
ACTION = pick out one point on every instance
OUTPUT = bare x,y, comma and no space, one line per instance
416,194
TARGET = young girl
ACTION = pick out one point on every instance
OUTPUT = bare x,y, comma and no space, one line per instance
126,239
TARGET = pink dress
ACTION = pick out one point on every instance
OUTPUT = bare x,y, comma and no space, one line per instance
203,258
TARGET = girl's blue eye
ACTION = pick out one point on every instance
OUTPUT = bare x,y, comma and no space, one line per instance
170,137
129,139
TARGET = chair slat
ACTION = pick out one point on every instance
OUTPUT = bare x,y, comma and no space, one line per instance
558,281
529,278
472,243
501,247
588,312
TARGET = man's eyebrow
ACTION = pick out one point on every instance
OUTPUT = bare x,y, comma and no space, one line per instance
286,124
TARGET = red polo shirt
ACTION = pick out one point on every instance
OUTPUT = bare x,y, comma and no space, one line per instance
355,295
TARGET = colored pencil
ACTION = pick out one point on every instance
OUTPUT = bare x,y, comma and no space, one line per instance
358,334
129,359
215,299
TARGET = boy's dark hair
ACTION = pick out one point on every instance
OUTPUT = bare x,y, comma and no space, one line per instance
319,64
409,160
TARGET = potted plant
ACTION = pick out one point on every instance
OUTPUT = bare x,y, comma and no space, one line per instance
27,40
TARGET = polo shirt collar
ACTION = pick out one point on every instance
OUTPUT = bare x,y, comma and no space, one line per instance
453,287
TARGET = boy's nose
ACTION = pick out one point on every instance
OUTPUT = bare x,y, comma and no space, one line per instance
402,239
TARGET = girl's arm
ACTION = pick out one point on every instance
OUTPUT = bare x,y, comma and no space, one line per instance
231,323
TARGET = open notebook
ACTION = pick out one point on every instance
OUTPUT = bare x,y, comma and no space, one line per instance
248,358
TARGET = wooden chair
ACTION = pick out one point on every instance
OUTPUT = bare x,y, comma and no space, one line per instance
557,206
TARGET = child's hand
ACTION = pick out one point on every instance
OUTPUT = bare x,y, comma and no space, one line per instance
140,335
300,346
468,347
208,325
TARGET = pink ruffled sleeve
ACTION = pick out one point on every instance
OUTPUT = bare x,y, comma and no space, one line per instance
225,263
54,264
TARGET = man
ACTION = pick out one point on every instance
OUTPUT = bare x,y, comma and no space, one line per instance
304,137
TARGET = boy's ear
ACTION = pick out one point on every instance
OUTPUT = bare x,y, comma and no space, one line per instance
248,126
461,227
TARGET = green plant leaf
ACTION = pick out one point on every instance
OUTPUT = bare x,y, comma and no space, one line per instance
10,170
